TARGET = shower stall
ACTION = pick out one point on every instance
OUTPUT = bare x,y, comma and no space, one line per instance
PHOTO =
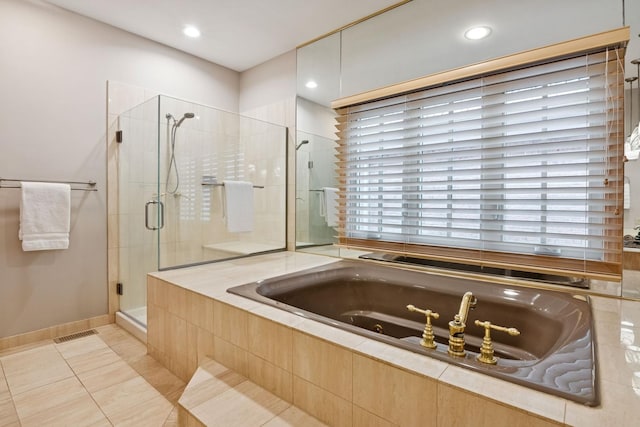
173,160
315,172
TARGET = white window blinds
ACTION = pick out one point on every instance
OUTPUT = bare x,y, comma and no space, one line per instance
521,167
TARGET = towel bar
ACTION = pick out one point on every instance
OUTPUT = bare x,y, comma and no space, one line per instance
219,184
90,184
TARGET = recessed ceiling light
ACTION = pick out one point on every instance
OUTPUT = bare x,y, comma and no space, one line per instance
191,31
311,84
477,33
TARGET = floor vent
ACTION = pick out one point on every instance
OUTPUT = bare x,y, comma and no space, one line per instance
74,336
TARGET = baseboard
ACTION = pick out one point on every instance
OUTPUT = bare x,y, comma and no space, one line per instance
55,331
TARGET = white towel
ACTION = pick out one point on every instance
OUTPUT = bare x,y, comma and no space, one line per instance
45,216
632,146
627,195
238,196
329,206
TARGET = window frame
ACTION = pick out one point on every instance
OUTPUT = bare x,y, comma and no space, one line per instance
607,269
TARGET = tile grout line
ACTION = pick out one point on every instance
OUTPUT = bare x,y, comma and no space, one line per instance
175,407
13,403
82,384
58,351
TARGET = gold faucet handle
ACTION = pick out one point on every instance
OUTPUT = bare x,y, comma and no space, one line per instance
486,350
427,313
427,335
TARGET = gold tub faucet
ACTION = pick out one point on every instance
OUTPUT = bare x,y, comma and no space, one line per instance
458,324
427,335
486,351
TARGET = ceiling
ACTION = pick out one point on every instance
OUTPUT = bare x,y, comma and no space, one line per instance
237,34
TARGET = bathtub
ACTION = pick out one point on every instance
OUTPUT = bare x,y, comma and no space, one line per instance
554,353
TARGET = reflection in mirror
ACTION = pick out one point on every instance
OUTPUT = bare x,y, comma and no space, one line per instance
316,188
402,44
631,253
318,83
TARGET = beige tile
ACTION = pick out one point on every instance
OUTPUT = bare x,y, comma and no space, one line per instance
207,383
507,393
185,419
622,404
175,337
270,341
460,408
153,412
231,356
418,363
272,378
3,382
324,364
106,376
167,384
11,344
362,418
191,356
172,419
62,404
34,368
177,301
93,360
321,404
206,344
152,290
158,291
617,365
244,405
8,415
120,400
129,349
12,348
293,417
113,335
328,333
80,413
231,324
81,346
155,326
200,311
401,397
24,360
48,397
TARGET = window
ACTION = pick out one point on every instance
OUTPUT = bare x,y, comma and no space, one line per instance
517,168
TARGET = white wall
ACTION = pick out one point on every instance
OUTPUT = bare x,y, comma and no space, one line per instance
268,92
426,36
54,68
268,83
316,119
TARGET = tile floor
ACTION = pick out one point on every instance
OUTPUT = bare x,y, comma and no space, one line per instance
105,379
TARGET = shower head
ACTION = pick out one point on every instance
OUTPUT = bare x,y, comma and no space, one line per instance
186,116
304,141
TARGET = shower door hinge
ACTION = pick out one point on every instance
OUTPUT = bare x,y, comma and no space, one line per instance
118,136
119,288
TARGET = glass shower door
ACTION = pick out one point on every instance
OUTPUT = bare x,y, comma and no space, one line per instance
139,206
172,164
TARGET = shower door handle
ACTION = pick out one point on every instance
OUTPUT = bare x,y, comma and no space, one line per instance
160,214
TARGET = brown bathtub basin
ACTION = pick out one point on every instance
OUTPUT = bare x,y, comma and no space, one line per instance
554,353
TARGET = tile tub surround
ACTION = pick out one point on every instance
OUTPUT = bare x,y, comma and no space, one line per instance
218,396
331,374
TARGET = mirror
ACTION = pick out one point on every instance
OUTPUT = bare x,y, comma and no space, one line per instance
318,83
423,37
